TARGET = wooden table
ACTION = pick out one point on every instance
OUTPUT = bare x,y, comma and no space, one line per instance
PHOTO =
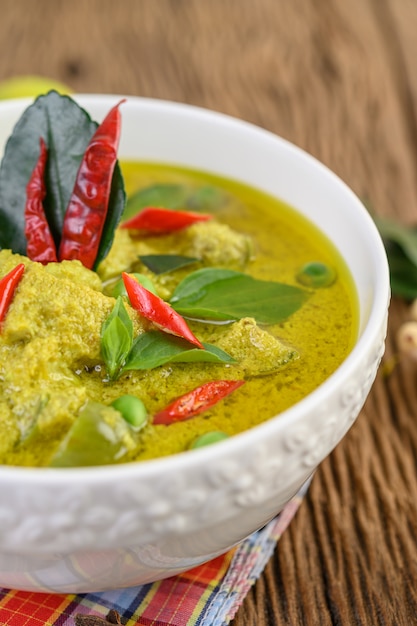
338,79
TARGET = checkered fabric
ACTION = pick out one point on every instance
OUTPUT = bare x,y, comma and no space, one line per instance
208,595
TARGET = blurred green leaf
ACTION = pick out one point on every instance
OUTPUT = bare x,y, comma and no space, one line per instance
404,236
174,196
400,243
164,263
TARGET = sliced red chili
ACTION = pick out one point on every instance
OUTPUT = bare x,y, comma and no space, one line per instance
196,401
158,311
40,243
159,220
87,209
8,286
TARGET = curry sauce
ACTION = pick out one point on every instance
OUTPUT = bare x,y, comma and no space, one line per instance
51,363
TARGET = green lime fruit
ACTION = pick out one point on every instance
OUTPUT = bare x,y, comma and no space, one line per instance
30,86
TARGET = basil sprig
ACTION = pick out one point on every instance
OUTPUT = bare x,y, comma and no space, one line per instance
120,352
226,295
116,339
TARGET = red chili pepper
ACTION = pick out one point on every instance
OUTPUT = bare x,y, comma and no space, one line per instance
196,401
157,311
40,243
158,220
87,209
8,285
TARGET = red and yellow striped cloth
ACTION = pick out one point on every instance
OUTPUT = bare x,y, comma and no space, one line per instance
208,595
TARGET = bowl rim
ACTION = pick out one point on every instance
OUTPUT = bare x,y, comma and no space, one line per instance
370,334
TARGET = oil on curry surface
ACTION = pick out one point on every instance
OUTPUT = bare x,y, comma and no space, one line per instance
131,330
51,360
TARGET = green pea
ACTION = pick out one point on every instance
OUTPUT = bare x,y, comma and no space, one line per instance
316,274
208,438
119,288
132,410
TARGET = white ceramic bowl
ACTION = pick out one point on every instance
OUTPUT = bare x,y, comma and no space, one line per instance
87,529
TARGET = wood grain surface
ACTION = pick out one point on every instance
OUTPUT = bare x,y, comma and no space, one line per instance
338,79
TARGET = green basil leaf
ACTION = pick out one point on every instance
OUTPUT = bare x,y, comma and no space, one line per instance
194,284
214,294
119,310
67,130
115,347
155,348
164,263
403,236
116,339
119,288
403,273
206,199
168,196
173,196
400,243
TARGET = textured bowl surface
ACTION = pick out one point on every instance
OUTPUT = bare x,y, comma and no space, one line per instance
93,529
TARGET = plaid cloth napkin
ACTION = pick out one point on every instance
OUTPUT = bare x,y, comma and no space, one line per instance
208,595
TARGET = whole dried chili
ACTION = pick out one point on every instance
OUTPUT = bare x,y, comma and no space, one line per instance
8,285
157,311
196,401
159,220
87,209
40,243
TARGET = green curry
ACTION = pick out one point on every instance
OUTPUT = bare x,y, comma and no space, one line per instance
51,346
